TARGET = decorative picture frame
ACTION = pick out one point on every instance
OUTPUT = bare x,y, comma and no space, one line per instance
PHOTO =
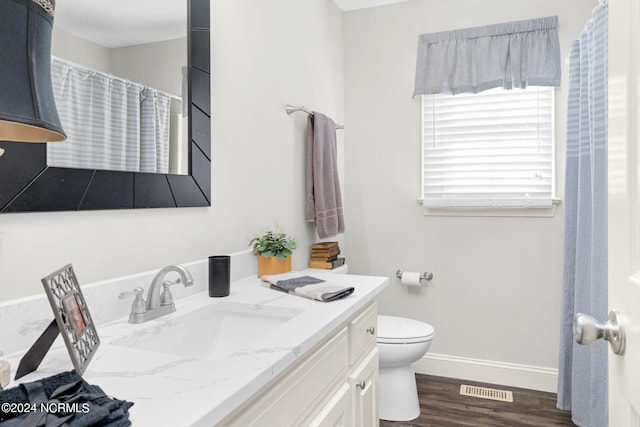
72,316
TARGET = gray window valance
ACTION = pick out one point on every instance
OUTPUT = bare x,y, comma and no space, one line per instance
509,55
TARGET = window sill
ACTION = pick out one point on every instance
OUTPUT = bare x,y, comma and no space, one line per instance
491,212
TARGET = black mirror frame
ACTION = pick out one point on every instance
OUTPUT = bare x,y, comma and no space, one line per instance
27,184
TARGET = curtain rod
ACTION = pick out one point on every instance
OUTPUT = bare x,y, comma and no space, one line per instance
90,71
293,109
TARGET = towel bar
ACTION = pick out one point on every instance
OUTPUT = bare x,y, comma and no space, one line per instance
293,109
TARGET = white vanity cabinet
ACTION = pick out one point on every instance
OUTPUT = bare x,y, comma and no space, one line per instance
334,385
306,363
363,367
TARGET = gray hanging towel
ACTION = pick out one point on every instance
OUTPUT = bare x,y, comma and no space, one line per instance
324,199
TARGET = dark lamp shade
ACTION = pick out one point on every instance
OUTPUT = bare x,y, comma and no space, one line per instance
27,107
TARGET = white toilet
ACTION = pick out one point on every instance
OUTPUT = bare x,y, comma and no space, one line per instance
401,342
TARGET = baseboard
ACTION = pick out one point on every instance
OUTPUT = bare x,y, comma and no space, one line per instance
487,371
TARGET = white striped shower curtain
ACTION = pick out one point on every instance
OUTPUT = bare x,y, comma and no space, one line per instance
111,123
582,370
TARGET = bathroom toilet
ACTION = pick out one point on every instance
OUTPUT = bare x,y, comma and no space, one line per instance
401,342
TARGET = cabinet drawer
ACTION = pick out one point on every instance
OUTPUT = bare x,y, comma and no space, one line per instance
300,393
362,333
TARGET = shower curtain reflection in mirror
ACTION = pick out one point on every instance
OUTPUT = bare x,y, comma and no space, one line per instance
113,123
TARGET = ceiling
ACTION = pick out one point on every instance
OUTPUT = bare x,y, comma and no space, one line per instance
117,23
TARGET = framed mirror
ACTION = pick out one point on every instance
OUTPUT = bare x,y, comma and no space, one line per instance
29,182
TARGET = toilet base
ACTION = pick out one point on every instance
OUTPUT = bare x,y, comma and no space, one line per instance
398,394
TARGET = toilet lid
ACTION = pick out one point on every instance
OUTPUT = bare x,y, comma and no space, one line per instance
400,330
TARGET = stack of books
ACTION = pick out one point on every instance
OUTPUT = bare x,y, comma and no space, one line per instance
325,255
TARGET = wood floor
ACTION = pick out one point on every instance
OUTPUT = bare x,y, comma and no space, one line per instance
441,405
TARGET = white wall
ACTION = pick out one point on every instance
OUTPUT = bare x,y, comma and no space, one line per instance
264,55
497,286
158,65
73,48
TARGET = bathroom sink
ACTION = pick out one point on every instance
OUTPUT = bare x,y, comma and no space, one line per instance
212,333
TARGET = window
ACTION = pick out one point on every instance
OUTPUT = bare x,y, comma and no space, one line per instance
489,150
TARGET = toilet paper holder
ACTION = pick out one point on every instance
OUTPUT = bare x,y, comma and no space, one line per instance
427,275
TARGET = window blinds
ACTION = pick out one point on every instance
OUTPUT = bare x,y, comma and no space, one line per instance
489,150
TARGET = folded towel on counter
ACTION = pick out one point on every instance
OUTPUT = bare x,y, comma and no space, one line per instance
307,286
64,399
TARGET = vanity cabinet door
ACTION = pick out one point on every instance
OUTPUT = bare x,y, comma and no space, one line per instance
300,393
337,412
364,388
362,333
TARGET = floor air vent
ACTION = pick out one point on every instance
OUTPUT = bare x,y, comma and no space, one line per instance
486,393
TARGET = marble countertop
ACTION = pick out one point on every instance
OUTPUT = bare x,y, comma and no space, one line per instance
182,391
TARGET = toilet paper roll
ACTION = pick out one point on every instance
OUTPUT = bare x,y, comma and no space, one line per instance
410,279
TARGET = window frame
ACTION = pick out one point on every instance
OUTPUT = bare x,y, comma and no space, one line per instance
491,211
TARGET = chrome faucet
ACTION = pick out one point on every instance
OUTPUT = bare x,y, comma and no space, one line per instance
157,304
153,296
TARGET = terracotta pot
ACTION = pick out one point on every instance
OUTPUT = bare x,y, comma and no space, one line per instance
273,265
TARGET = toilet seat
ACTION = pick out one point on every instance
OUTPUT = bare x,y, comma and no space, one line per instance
399,330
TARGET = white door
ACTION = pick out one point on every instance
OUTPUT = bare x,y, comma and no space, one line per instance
624,207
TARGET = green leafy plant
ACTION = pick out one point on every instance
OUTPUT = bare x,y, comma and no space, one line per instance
273,243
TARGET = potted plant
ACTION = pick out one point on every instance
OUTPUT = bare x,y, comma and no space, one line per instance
273,250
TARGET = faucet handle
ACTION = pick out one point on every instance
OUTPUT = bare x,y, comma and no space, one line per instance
139,306
166,297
